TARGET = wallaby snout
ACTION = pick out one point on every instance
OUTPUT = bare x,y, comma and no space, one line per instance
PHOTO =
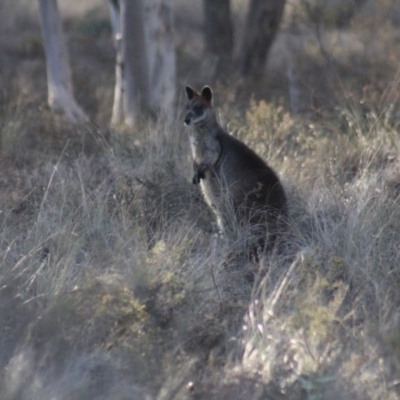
188,119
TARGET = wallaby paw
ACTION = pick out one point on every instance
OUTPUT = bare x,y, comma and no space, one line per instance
197,177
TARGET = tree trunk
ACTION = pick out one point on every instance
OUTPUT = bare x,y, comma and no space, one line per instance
146,61
161,55
118,105
219,33
59,82
135,63
262,24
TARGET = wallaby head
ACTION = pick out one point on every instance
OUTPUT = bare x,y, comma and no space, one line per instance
199,108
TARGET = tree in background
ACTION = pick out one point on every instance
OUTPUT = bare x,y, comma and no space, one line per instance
145,52
145,59
59,82
145,62
218,32
262,24
131,93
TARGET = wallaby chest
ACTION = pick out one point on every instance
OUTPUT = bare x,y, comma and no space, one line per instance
205,146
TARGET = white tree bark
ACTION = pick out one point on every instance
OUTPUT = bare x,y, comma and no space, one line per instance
132,79
146,62
118,108
161,53
59,82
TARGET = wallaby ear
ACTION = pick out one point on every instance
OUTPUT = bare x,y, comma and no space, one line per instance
207,94
189,92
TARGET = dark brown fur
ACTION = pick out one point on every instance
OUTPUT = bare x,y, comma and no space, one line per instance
233,178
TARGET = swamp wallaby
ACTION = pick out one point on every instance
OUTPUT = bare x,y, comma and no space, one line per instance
236,183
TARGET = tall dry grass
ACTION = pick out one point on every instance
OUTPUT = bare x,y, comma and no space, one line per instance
113,280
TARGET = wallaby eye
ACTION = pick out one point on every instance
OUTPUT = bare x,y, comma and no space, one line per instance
197,109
